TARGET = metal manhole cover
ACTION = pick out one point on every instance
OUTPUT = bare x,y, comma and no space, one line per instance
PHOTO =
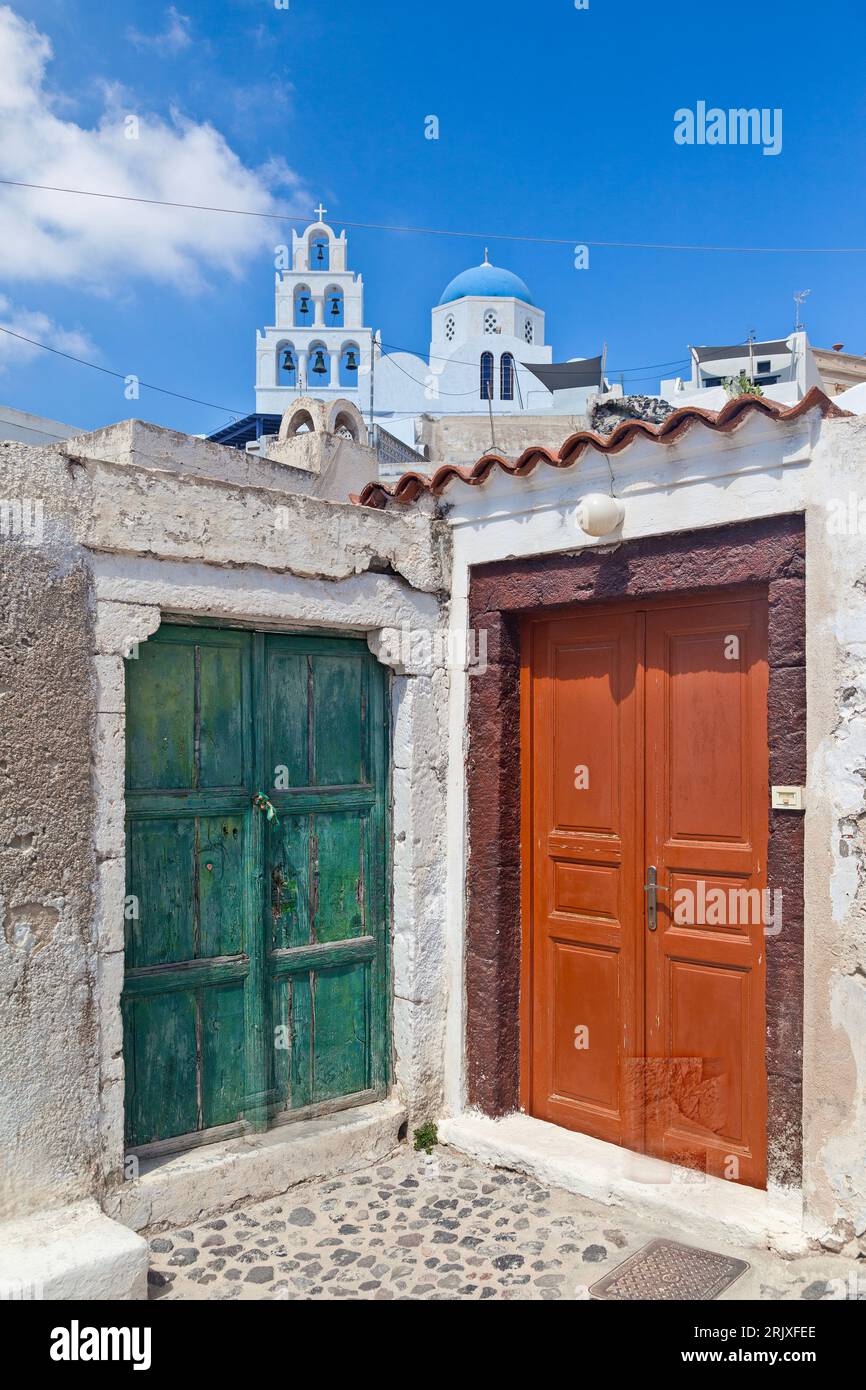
665,1269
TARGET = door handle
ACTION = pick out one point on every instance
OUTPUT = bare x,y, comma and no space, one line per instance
651,888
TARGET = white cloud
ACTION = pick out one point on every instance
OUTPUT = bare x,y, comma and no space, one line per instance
31,323
174,37
101,244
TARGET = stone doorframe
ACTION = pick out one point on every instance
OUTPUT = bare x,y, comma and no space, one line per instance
133,596
769,552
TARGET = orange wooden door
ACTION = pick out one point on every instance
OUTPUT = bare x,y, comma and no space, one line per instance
706,834
647,746
586,996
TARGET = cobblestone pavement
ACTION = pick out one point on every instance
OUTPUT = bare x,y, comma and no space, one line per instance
437,1227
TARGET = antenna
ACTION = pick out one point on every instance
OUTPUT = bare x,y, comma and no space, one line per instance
799,299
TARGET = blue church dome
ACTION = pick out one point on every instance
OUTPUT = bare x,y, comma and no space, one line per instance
487,282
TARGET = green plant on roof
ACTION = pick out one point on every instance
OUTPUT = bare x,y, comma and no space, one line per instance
741,385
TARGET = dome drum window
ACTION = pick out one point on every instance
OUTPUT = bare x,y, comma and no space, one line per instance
450,328
486,391
506,377
528,331
491,322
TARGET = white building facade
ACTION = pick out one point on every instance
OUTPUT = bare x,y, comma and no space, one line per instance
487,334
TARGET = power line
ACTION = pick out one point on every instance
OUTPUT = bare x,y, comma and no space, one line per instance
445,232
122,376
239,414
465,362
33,429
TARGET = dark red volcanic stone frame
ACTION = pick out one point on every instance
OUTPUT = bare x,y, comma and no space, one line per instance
768,552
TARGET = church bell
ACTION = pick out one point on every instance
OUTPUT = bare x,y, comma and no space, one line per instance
351,362
319,363
288,361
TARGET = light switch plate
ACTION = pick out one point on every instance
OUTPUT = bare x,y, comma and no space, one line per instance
789,799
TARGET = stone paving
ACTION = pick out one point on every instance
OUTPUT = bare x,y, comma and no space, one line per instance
435,1227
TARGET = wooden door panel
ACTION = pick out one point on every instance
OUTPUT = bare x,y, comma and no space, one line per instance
664,708
586,960
160,718
586,986
222,715
325,869
256,951
223,1031
339,718
707,1010
585,734
191,839
340,1060
705,782
161,1064
706,777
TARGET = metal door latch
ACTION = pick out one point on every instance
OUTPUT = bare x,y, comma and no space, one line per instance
265,805
651,888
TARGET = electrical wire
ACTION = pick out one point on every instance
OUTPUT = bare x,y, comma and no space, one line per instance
240,414
122,376
464,362
444,232
33,429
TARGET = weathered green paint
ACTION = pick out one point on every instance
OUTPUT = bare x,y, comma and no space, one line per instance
252,934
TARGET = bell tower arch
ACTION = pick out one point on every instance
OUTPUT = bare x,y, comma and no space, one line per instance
319,316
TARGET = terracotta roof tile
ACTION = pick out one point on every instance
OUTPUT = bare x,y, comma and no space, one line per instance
411,486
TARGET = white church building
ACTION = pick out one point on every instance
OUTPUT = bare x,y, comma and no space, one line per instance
487,355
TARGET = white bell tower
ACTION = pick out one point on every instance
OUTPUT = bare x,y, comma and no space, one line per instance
318,345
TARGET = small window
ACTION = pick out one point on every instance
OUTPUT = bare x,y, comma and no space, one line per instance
764,366
528,331
487,376
506,377
491,322
450,328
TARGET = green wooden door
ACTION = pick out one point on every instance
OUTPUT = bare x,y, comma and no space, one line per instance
256,949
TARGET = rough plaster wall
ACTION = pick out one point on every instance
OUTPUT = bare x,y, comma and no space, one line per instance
835,1032
420,742
463,439
168,501
49,1033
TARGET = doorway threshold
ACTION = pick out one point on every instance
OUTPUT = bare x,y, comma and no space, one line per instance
709,1208
179,1189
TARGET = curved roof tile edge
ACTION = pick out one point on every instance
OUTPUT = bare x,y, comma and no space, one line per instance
411,485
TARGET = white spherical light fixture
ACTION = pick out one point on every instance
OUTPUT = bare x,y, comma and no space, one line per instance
598,514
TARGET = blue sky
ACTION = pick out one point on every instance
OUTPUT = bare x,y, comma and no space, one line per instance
553,122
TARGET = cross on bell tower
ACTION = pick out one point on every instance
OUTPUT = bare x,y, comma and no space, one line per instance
320,211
